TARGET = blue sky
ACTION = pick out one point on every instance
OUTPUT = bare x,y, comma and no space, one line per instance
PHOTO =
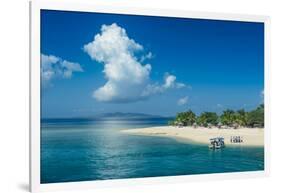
156,65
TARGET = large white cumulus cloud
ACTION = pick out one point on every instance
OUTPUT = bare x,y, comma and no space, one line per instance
127,78
55,67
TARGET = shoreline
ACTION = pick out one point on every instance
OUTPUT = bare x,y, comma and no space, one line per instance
251,136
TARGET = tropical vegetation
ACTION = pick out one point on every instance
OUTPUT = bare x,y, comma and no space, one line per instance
230,118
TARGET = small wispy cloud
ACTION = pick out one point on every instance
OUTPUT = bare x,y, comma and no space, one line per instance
182,101
262,94
169,82
148,56
219,105
54,67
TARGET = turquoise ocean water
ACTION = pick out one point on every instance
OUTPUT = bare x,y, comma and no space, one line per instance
95,149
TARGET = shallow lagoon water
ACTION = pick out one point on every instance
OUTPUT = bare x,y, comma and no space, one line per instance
95,149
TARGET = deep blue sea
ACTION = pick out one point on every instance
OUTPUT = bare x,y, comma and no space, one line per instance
95,149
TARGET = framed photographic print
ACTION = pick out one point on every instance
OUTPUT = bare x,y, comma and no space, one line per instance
121,96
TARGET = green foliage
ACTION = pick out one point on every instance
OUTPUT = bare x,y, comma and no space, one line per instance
254,118
186,118
228,117
241,117
208,118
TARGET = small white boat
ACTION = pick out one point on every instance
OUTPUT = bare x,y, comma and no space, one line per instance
217,143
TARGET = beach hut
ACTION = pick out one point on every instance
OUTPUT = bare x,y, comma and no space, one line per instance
179,123
256,125
195,125
235,125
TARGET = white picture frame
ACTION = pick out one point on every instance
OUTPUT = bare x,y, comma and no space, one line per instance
36,6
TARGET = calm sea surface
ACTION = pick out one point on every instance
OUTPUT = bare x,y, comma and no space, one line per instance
95,149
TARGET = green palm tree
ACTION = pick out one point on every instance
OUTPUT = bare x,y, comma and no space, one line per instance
256,117
208,118
241,117
228,117
187,118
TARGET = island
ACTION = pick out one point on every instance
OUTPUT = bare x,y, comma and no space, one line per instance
231,125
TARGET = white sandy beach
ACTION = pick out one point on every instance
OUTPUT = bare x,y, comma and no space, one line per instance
251,136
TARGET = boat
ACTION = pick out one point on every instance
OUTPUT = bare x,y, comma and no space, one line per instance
217,143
